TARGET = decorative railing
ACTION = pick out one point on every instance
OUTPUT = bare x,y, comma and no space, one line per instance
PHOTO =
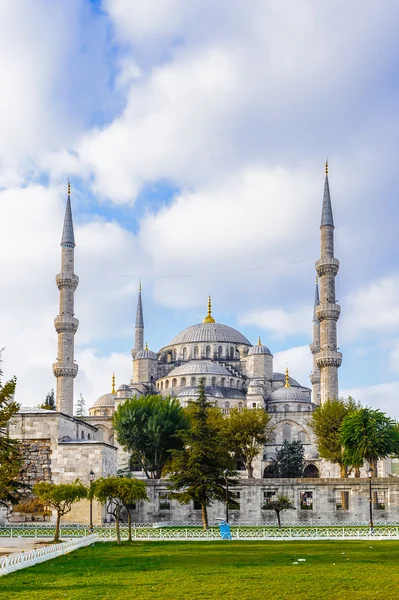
20,560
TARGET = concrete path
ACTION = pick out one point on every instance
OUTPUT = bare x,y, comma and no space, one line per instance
19,544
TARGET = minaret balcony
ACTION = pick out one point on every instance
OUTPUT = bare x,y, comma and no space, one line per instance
315,378
328,310
329,358
67,280
327,266
66,323
65,369
314,347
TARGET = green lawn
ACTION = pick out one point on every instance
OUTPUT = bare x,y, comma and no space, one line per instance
221,569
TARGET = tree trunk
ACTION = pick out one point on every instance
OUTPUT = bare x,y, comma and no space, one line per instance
357,471
343,471
250,470
374,467
57,529
204,513
278,518
129,522
118,533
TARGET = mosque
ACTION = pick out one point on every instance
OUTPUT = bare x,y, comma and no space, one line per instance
236,373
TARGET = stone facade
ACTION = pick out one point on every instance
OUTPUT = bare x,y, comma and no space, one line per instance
36,454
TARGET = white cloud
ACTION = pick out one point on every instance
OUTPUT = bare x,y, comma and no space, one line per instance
299,362
382,396
280,322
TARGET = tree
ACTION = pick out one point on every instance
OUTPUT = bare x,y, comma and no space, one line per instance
247,433
147,428
49,403
326,423
197,469
281,503
289,461
60,496
368,434
116,493
10,456
81,406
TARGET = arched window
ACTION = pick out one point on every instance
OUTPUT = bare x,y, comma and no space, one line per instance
227,404
286,433
220,351
195,351
299,408
243,385
302,437
240,405
105,414
274,409
174,382
161,385
311,471
231,352
183,381
184,353
287,407
88,436
208,352
238,385
213,381
222,382
82,435
175,354
166,384
231,382
193,381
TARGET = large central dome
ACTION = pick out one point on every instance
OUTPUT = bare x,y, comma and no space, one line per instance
209,332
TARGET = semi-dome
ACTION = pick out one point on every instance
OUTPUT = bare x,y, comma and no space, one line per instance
105,400
209,332
259,349
281,377
200,367
289,394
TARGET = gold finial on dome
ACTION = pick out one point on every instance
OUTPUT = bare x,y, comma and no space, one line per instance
259,342
287,378
69,188
327,166
113,384
146,346
209,318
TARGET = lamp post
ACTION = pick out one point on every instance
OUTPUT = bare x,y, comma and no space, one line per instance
369,475
226,474
91,479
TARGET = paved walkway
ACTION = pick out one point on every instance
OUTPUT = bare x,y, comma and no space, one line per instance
19,544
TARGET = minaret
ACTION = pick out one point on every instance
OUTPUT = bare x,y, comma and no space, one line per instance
328,359
139,327
65,369
315,348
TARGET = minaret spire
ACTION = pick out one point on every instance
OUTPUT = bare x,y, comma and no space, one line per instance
139,327
65,369
328,359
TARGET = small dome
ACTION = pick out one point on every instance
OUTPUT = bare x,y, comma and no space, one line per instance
105,400
123,387
200,367
146,354
259,349
289,394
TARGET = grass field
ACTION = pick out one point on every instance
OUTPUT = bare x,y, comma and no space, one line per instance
233,570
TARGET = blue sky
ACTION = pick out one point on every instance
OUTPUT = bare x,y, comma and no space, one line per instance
195,135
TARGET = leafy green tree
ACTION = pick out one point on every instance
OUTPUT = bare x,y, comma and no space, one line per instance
60,496
326,423
289,461
368,434
49,403
247,432
81,407
10,456
279,504
117,493
197,469
147,428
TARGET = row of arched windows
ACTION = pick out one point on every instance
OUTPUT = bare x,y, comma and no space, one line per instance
193,383
287,435
287,408
230,353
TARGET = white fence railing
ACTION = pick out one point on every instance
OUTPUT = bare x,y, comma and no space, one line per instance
20,560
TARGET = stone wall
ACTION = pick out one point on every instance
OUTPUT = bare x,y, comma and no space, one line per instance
36,460
317,501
